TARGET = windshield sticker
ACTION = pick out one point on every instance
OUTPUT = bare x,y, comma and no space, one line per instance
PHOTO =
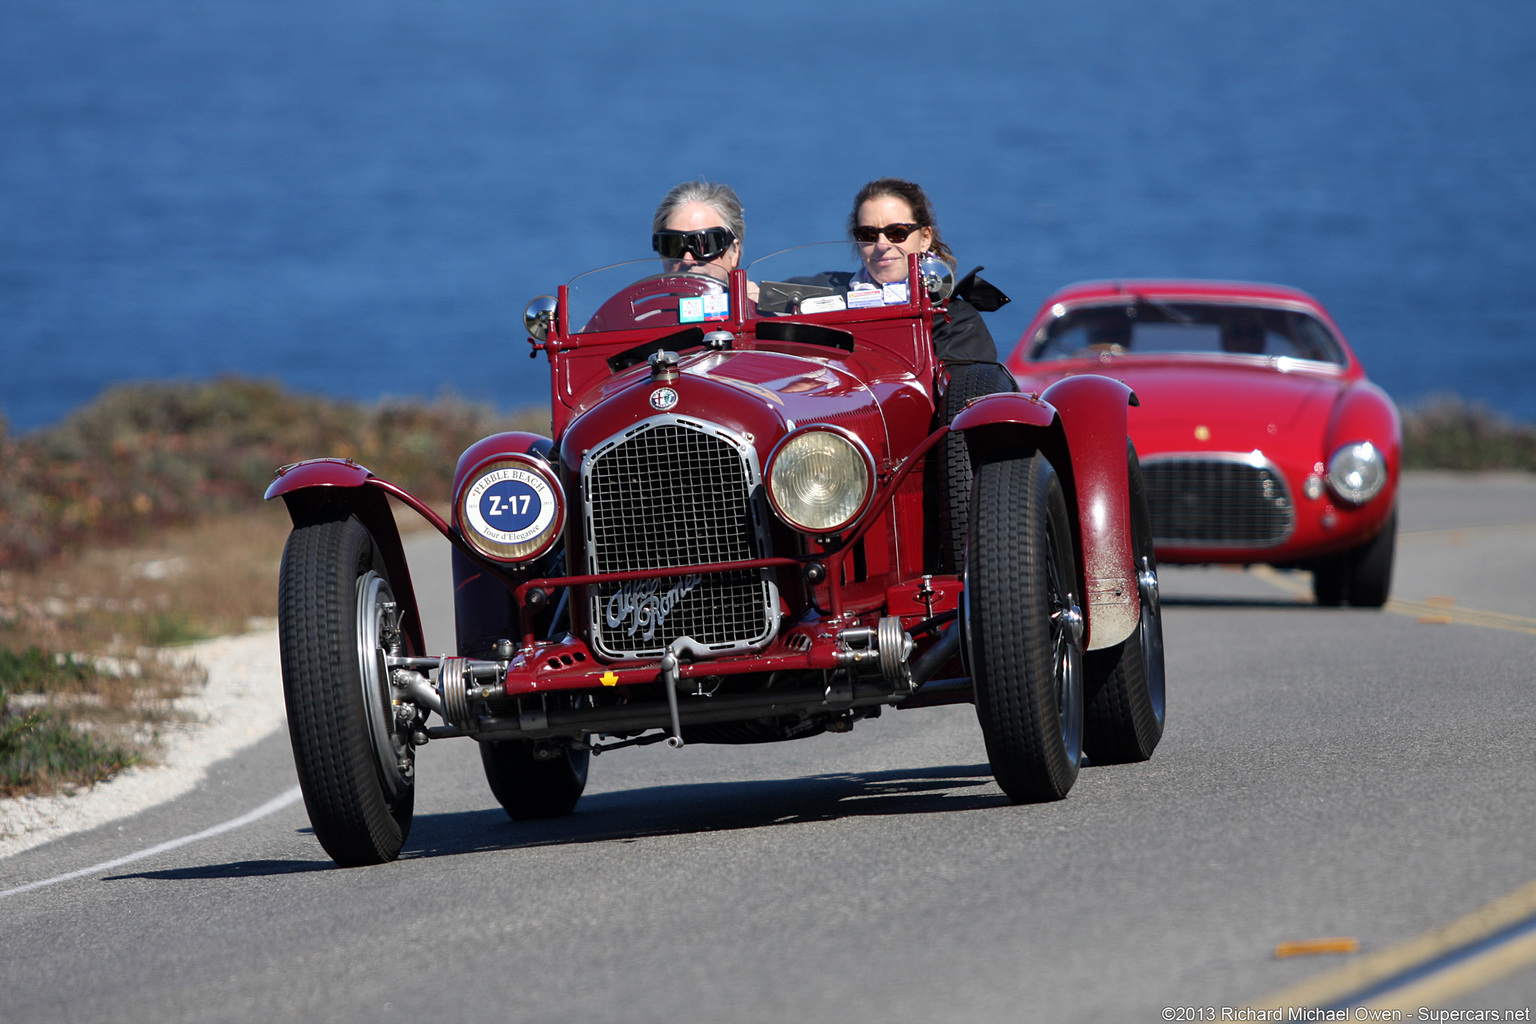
822,304
698,308
894,294
865,297
644,605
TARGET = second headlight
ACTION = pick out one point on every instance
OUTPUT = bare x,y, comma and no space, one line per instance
1357,472
820,480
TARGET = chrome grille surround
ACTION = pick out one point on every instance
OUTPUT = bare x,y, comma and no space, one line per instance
667,492
1218,499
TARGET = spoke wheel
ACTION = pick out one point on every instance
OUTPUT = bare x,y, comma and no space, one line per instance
1024,627
336,621
1127,683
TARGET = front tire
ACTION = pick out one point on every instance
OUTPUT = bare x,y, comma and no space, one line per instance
1127,683
529,788
1024,626
1361,576
336,620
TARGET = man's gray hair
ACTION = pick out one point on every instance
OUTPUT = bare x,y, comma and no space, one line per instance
720,198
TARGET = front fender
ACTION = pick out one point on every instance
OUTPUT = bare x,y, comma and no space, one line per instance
1095,421
323,489
1366,413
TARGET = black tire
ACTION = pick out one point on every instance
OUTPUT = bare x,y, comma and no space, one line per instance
529,788
1361,576
1024,627
966,381
355,764
1127,684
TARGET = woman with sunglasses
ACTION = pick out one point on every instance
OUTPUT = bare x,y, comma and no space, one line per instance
698,227
891,219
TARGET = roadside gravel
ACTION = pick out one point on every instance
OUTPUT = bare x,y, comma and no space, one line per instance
241,703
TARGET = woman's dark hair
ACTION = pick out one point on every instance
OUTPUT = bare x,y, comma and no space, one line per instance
913,195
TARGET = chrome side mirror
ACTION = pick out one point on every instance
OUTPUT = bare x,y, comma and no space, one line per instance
539,317
937,276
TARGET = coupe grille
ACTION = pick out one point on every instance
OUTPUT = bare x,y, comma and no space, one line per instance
674,493
1209,502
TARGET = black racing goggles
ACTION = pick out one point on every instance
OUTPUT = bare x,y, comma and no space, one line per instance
896,233
708,244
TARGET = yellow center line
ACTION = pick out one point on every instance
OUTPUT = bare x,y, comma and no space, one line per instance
1465,616
1416,609
1459,979
1335,987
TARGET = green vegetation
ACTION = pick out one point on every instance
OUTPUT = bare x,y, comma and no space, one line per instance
43,751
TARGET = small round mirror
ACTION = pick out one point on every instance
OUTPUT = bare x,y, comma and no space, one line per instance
539,317
938,278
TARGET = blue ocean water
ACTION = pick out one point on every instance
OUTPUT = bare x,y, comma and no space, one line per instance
357,197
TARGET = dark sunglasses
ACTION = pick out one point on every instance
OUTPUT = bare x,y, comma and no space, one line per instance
708,244
896,233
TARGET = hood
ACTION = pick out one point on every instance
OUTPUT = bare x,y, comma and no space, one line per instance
1234,406
764,394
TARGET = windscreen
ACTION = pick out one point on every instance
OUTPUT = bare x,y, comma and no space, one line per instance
648,293
1157,328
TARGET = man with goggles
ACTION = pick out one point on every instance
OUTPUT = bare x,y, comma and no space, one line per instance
698,227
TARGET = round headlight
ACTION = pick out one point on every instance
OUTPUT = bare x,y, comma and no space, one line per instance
511,509
1357,472
820,480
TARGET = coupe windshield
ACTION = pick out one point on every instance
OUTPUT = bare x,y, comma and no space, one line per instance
1148,327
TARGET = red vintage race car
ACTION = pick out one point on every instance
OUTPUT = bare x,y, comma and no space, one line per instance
757,520
1261,440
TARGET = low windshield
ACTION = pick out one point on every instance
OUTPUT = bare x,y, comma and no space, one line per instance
1156,328
647,293
820,278
803,281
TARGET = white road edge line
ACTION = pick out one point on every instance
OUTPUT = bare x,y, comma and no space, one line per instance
272,806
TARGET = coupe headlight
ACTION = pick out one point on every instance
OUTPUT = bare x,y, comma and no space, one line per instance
511,509
820,480
1357,472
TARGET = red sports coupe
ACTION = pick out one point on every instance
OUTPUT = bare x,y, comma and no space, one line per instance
1261,440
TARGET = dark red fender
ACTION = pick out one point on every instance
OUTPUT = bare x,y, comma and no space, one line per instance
1080,424
1095,419
321,488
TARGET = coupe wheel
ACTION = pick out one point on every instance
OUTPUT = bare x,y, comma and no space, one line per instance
336,620
1361,576
528,786
1127,683
1024,627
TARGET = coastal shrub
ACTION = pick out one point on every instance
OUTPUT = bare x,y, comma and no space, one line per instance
1447,432
150,455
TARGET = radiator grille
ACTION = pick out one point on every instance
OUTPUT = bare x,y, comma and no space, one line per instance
1217,502
672,493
